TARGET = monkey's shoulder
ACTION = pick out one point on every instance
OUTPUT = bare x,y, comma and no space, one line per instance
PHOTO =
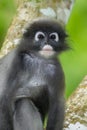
54,68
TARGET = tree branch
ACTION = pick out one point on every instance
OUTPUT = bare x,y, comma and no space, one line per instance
76,111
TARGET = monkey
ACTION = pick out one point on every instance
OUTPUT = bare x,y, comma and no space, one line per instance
32,81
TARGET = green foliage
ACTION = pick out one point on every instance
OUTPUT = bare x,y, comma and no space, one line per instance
7,10
74,61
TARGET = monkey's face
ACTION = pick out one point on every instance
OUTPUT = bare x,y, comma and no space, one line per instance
46,42
44,37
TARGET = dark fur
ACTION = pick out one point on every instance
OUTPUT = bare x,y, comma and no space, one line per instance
32,85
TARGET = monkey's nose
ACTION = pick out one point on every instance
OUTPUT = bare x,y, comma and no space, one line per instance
47,48
45,43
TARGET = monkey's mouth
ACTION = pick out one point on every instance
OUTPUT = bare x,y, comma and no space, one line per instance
47,51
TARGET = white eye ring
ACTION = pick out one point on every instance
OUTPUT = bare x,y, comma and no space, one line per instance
39,36
54,36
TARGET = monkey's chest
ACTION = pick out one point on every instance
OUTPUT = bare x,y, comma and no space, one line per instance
39,78
43,75
44,72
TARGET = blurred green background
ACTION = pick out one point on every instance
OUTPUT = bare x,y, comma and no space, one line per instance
74,62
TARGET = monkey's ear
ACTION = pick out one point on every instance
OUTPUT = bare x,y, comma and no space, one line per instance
27,30
65,47
26,33
64,44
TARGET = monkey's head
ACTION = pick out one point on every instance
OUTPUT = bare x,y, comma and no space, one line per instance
44,37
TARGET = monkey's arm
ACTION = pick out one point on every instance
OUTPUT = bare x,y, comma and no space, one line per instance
26,116
56,115
5,116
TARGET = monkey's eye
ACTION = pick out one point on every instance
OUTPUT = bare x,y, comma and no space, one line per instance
54,36
39,36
